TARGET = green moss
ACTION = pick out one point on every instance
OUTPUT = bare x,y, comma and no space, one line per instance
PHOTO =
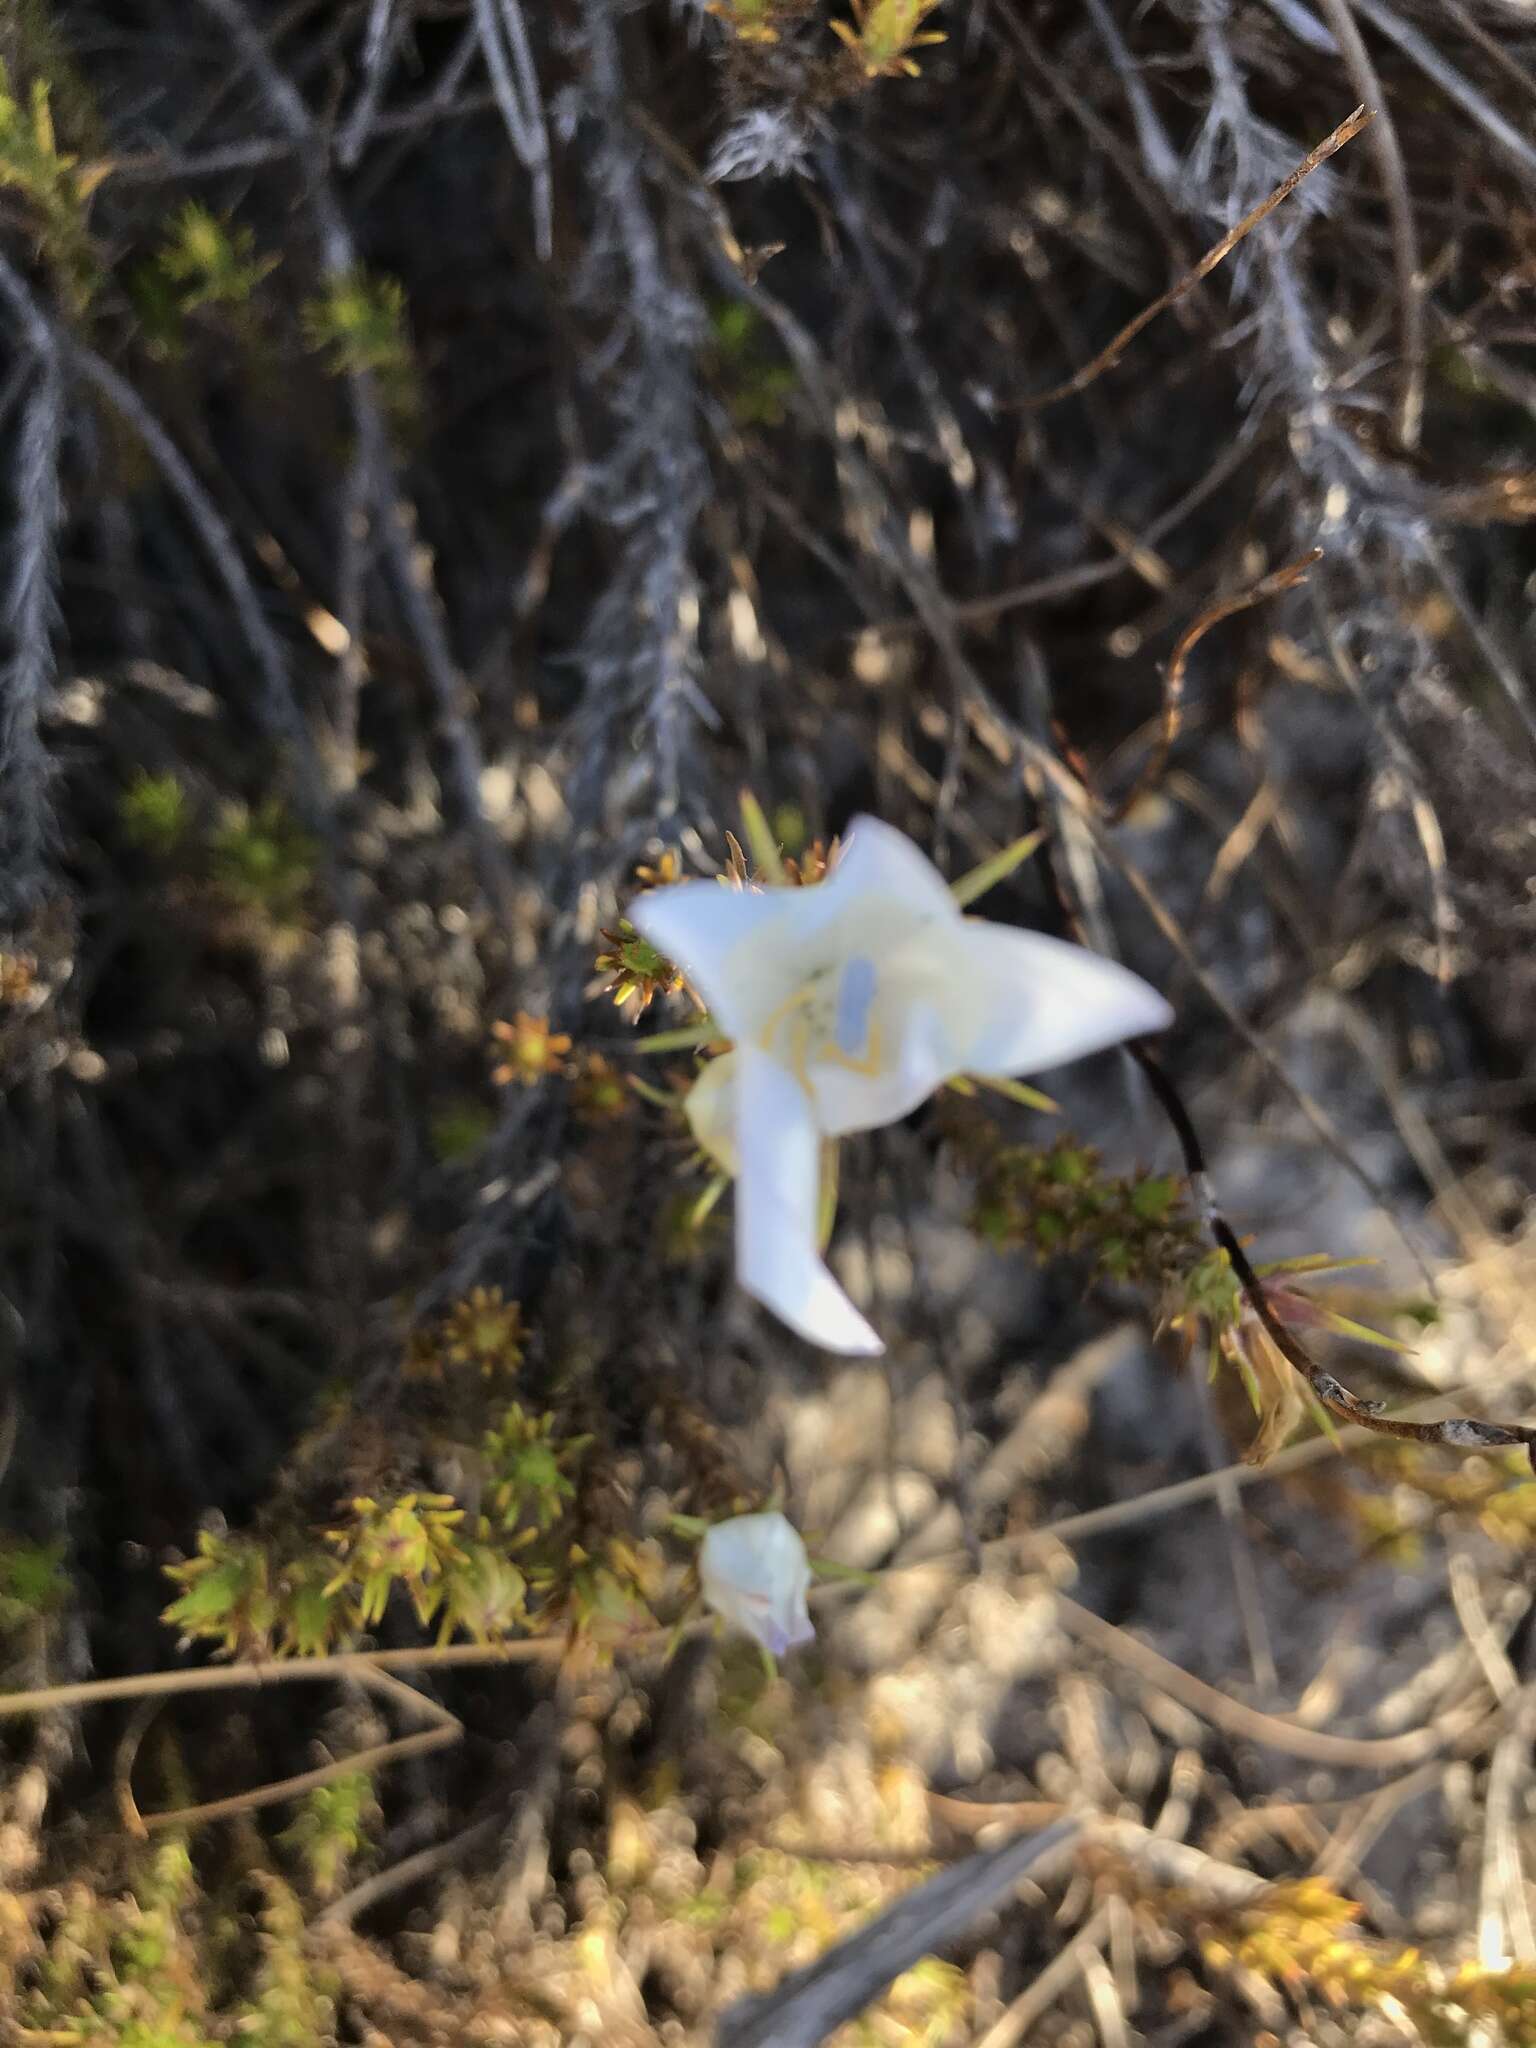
33,1582
54,183
747,365
155,813
263,861
358,323
459,1130
333,1825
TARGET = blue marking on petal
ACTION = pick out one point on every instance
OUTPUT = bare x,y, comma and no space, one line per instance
855,993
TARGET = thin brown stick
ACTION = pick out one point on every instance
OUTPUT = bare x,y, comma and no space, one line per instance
446,1730
1173,681
410,1870
1315,1116
1042,1992
1159,1855
373,1668
1044,589
1108,356
1031,1544
1233,1717
344,1664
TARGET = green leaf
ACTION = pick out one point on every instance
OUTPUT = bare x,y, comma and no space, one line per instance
764,847
1152,1199
703,1208
684,1039
1311,1262
1001,865
1017,1091
1362,1333
843,1574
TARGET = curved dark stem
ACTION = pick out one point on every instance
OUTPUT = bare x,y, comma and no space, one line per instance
1464,1433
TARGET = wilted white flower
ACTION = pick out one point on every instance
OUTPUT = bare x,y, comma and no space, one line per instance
849,1002
764,142
756,1575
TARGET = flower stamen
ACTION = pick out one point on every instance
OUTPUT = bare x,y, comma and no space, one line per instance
825,1031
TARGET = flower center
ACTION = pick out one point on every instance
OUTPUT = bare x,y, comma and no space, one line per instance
828,1018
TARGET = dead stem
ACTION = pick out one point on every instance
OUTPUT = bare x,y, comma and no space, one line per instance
1109,355
1173,681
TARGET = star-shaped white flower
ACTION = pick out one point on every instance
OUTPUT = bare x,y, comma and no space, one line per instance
849,1002
755,1574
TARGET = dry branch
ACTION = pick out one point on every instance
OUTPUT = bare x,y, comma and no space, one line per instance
1111,353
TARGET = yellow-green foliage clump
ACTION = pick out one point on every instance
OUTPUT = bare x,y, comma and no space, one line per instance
206,262
263,862
359,324
53,183
212,261
410,1543
253,859
1059,1199
334,1823
884,33
145,1969
534,1541
459,1129
155,812
33,1582
527,1050
748,366
634,972
527,1463
1140,1230
293,2001
1415,1491
481,1335
758,21
1303,1939
880,38
769,1911
244,1596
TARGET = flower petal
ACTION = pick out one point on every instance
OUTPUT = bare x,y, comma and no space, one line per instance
1037,1002
879,861
702,927
710,1107
917,1053
777,1202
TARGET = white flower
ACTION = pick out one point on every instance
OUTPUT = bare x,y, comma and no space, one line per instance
755,1574
849,1002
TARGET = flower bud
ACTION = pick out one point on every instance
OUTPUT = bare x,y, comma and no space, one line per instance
755,1575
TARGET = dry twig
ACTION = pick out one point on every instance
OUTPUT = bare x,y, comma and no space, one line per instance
1111,353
